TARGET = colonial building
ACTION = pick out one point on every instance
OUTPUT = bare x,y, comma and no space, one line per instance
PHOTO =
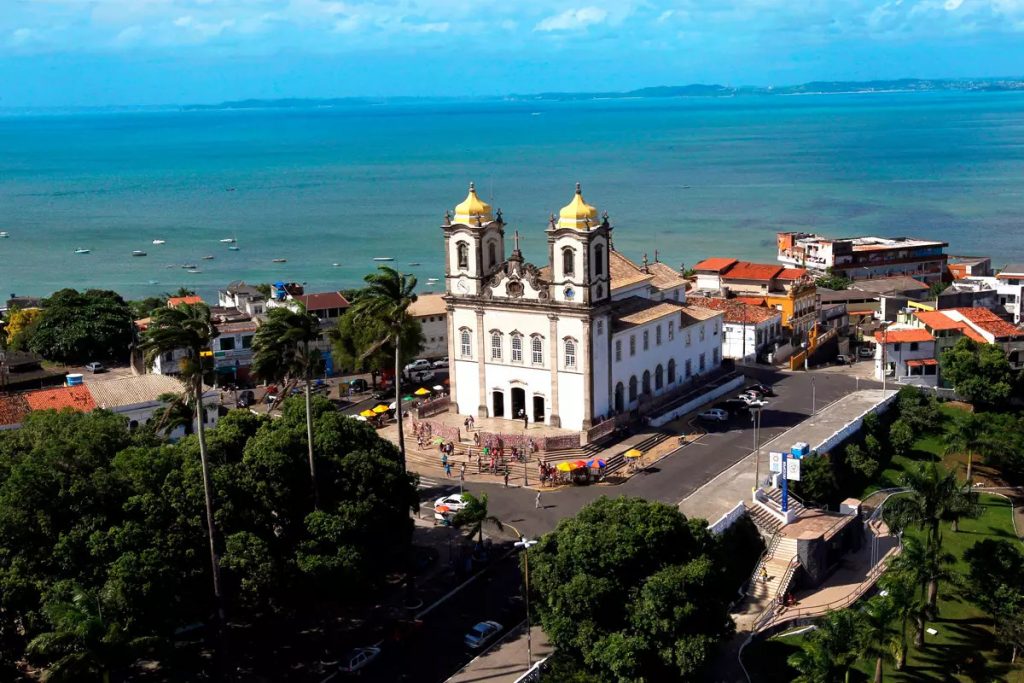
588,335
860,258
431,312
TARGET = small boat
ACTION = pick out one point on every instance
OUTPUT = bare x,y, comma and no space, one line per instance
138,252
154,282
414,263
82,251
232,248
193,270
230,189
279,260
207,258
336,265
383,258
3,235
188,266
228,240
159,241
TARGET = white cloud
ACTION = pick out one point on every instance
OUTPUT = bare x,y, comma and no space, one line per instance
572,19
22,36
431,27
129,35
665,16
953,5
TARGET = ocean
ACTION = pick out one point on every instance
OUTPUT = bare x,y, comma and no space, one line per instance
686,177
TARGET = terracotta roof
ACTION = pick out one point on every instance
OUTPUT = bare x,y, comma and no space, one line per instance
428,304
715,264
937,320
751,300
143,324
904,335
971,333
745,270
176,300
990,322
236,326
13,409
322,300
735,311
694,314
636,310
921,361
624,272
792,273
665,276
129,391
76,398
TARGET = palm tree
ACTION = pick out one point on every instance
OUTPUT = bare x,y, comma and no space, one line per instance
385,302
906,582
966,435
281,348
175,412
475,515
82,646
876,637
935,496
831,648
189,327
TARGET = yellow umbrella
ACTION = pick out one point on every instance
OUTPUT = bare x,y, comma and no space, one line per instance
633,453
567,466
381,409
422,391
368,413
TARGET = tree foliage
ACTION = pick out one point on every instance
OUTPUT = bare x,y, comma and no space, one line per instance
980,373
20,325
77,327
632,591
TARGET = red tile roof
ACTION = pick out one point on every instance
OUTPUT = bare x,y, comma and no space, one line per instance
971,333
177,300
792,273
735,311
937,320
745,270
922,361
716,264
322,300
904,335
990,322
752,300
13,409
76,398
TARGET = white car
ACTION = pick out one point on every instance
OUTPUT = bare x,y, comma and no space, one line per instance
454,503
481,634
417,366
714,415
751,397
421,375
358,658
440,363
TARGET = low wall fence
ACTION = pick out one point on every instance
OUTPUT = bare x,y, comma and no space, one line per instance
601,430
697,401
537,443
430,430
434,406
853,426
728,519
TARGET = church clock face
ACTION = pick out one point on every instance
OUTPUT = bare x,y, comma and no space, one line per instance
463,285
570,293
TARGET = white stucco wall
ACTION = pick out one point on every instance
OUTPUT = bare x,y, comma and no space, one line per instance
435,335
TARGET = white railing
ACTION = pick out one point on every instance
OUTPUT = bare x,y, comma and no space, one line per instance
728,519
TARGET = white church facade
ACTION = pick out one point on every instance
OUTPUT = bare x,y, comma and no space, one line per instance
587,336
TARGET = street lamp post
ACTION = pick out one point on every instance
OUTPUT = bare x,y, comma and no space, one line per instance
526,544
755,417
813,398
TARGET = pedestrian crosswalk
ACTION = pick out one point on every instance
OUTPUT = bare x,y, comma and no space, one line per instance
428,483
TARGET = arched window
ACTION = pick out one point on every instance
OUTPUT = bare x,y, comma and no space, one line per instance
672,371
647,340
570,354
568,261
462,249
599,259
492,252
659,373
632,388
495,345
465,343
647,381
517,348
536,351
620,402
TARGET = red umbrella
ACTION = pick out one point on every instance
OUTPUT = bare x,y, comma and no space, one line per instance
580,463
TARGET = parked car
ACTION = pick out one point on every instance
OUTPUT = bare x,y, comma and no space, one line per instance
763,389
358,658
749,397
95,367
715,415
422,376
866,352
843,359
357,386
246,398
417,365
454,503
482,634
440,363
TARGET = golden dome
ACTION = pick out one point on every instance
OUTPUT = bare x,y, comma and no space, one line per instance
578,214
473,208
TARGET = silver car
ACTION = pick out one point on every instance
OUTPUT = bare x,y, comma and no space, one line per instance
482,634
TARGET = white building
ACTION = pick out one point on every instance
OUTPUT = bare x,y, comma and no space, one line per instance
588,335
1010,288
245,298
137,397
432,313
906,354
750,331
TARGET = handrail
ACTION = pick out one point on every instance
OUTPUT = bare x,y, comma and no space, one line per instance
773,606
773,543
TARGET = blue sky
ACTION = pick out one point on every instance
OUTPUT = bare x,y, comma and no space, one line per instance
100,52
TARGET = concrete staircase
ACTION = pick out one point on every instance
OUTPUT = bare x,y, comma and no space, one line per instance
776,497
780,561
765,521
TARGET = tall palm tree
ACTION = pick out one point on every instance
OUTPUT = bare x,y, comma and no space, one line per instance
966,435
281,348
188,327
385,302
876,636
831,648
175,412
905,580
935,496
475,515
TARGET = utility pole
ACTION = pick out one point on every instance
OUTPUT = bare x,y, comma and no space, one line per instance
526,544
755,418
813,405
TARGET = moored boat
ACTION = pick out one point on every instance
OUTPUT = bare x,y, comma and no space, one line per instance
279,260
82,251
159,241
383,258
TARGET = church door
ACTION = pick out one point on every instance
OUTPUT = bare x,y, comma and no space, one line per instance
538,409
498,398
518,402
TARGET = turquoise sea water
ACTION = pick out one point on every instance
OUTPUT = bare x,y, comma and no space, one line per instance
688,177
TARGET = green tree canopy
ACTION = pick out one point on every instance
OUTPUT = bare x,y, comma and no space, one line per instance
630,590
78,327
980,373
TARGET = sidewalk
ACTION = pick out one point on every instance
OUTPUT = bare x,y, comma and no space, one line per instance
505,662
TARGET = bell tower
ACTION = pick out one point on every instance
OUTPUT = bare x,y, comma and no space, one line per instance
474,241
578,243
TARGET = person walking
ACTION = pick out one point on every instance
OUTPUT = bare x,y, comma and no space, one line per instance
764,575
448,470
506,478
536,502
525,420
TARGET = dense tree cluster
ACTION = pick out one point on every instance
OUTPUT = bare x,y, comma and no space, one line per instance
630,590
995,582
103,550
980,373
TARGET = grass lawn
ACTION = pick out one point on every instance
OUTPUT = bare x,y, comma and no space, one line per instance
963,649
